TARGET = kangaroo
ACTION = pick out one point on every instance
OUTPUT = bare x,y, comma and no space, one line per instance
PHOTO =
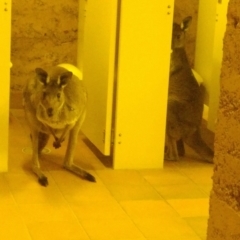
55,104
185,102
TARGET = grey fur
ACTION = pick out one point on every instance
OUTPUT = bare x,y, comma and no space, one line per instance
185,101
55,104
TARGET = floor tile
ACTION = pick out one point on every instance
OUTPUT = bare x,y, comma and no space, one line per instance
75,189
10,214
26,189
191,161
45,212
110,176
147,204
112,230
164,227
19,162
101,209
26,180
206,188
184,190
199,225
14,231
65,179
165,177
148,209
199,175
177,238
57,230
127,184
6,196
38,195
123,192
191,207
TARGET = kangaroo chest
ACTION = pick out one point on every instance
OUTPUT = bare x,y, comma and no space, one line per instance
62,118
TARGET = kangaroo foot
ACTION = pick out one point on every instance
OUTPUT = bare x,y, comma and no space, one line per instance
169,157
43,181
171,153
80,172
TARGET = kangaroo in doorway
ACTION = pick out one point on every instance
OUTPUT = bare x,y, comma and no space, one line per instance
185,102
55,104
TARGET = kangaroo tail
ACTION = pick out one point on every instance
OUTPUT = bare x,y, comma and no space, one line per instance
196,142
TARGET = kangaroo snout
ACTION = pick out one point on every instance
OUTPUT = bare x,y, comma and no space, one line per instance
50,112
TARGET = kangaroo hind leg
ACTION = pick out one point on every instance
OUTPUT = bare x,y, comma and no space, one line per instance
180,148
171,153
68,160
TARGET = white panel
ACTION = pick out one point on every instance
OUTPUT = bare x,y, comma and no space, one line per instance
5,23
98,70
205,40
212,17
217,63
142,83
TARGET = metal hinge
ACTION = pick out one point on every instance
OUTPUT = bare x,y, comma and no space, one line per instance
104,136
111,137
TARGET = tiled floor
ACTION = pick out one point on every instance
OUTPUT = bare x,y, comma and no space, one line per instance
164,204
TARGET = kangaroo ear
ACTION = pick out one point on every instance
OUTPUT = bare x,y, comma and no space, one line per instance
64,78
186,23
42,75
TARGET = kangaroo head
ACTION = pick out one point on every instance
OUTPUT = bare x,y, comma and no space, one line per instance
52,92
178,32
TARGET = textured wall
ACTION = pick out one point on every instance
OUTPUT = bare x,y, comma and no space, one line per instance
224,218
43,33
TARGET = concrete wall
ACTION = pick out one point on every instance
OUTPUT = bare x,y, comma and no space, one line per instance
43,33
224,218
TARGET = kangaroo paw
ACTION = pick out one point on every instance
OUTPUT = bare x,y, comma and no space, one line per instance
80,172
56,144
43,181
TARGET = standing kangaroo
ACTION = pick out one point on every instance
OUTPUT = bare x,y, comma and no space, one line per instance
55,104
185,102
